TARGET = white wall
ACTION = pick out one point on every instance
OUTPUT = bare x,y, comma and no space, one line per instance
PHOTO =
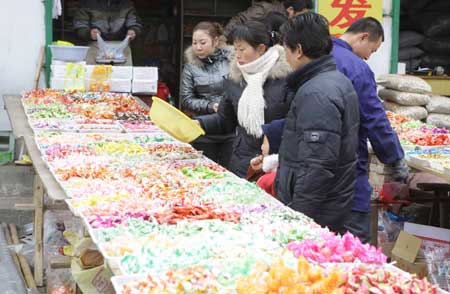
22,33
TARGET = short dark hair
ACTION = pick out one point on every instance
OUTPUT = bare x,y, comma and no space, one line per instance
298,5
309,30
254,33
367,25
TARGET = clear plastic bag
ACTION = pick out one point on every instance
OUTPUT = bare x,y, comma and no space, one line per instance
60,281
111,52
438,262
389,226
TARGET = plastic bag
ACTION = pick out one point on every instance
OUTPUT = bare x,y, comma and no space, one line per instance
410,39
404,98
439,104
409,53
100,78
389,226
439,120
436,46
111,51
405,83
413,112
74,77
60,281
95,280
439,27
438,262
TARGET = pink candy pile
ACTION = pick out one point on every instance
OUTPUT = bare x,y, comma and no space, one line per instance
332,248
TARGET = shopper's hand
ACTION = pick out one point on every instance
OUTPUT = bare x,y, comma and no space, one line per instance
216,107
131,34
256,163
94,33
265,147
400,171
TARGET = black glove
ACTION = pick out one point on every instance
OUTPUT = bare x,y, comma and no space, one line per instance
400,171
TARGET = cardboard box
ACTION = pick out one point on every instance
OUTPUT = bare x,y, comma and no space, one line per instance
405,253
432,237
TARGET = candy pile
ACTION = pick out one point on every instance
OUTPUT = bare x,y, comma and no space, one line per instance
417,133
159,208
333,248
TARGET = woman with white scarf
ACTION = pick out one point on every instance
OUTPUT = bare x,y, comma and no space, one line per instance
255,92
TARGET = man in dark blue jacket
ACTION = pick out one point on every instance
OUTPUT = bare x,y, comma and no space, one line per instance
357,44
361,39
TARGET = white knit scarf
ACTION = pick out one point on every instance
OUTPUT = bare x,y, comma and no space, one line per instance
251,104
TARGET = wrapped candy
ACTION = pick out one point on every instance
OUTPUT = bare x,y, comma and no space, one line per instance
332,248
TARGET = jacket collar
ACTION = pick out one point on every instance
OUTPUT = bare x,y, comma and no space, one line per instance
323,64
223,52
279,71
341,43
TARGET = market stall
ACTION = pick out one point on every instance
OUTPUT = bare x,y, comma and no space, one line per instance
167,219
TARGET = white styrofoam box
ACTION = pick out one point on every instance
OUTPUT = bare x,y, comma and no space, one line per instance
58,83
122,72
120,85
58,70
145,86
60,62
145,73
62,83
88,70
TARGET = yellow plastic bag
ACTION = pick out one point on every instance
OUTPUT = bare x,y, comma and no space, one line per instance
95,280
100,78
74,77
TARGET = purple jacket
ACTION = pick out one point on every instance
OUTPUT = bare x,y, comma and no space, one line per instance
374,125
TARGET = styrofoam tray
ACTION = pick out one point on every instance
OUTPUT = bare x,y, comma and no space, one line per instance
119,281
419,161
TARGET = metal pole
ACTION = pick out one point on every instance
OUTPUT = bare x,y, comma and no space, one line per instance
395,35
48,38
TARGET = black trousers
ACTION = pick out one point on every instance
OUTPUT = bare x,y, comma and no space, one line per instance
358,223
219,152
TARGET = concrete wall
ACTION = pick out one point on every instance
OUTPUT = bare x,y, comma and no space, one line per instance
22,34
380,62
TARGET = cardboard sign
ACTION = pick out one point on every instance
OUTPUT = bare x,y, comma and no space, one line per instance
407,246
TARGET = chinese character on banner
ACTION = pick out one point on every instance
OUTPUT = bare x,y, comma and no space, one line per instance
342,13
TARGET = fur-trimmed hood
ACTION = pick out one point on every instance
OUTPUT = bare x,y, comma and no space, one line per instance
280,70
191,58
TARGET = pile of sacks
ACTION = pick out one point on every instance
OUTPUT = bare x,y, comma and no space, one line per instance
406,95
411,96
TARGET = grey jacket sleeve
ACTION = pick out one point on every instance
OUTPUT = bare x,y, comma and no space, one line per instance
81,23
222,122
188,99
133,22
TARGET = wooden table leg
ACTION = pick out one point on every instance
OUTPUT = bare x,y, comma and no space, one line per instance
374,223
38,199
444,209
